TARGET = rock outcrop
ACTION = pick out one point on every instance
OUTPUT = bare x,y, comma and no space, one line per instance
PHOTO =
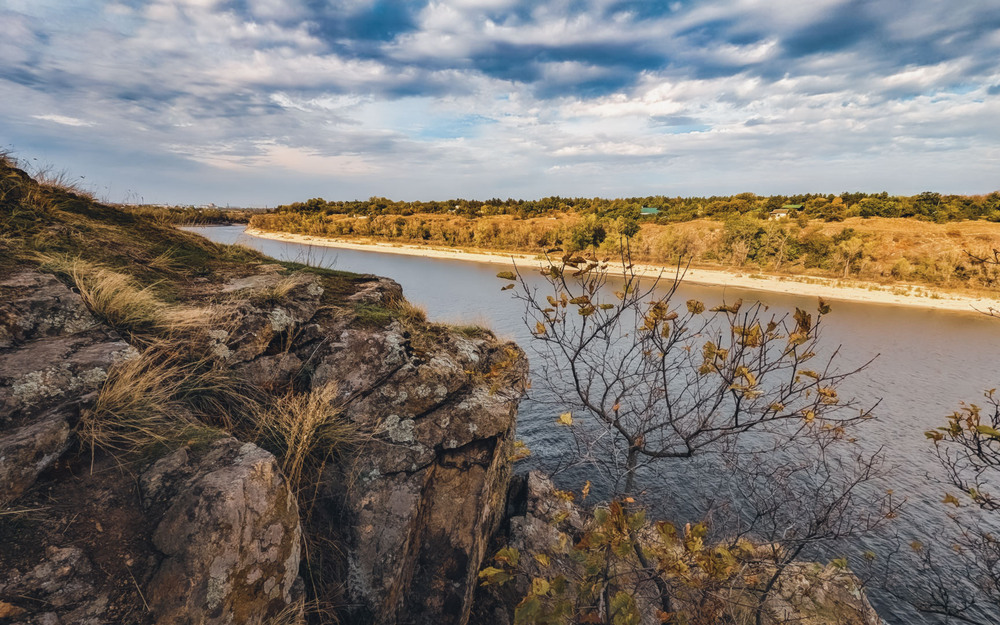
538,519
165,516
423,499
53,356
217,539
229,533
52,350
213,533
413,510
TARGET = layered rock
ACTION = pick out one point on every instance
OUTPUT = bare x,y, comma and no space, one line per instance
229,533
54,355
413,510
52,350
217,540
417,506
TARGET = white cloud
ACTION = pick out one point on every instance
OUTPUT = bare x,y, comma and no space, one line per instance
64,120
292,159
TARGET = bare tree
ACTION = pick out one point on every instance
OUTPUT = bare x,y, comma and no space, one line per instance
646,380
663,380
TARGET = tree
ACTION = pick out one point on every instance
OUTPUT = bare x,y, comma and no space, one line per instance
961,580
669,380
644,381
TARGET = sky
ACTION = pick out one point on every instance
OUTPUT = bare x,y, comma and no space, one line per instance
261,102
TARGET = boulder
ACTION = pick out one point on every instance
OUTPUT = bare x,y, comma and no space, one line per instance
36,305
229,535
417,507
28,450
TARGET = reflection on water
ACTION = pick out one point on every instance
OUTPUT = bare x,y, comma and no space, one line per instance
927,362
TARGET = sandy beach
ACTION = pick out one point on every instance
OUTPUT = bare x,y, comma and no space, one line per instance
854,291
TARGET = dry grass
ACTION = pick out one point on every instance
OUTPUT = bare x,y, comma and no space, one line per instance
140,404
293,614
304,430
270,295
166,262
62,181
162,398
124,304
408,311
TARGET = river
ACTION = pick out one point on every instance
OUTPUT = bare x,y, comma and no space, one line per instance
928,361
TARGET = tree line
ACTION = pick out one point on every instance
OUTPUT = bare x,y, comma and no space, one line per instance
928,206
796,246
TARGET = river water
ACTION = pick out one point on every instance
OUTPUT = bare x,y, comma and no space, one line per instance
926,363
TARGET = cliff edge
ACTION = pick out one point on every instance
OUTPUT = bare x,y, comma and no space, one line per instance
195,433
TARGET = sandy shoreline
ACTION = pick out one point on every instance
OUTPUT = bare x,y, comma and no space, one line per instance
793,285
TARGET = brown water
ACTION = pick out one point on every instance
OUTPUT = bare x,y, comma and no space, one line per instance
927,362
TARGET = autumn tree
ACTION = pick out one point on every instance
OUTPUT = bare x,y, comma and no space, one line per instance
644,381
959,578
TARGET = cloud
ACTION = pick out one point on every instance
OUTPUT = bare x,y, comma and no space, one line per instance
64,120
509,97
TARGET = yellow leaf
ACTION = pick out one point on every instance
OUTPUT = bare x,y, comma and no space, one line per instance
521,451
539,586
586,490
953,500
542,559
566,418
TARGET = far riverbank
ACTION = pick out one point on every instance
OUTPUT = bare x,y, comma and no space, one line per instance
809,286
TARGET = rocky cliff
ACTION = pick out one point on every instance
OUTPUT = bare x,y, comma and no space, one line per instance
154,467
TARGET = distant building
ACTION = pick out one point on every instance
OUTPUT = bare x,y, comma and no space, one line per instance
649,210
784,211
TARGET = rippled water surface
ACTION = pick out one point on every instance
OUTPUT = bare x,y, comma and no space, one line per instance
927,362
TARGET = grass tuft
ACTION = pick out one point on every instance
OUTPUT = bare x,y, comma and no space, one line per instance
120,301
272,295
161,399
304,430
139,405
408,311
